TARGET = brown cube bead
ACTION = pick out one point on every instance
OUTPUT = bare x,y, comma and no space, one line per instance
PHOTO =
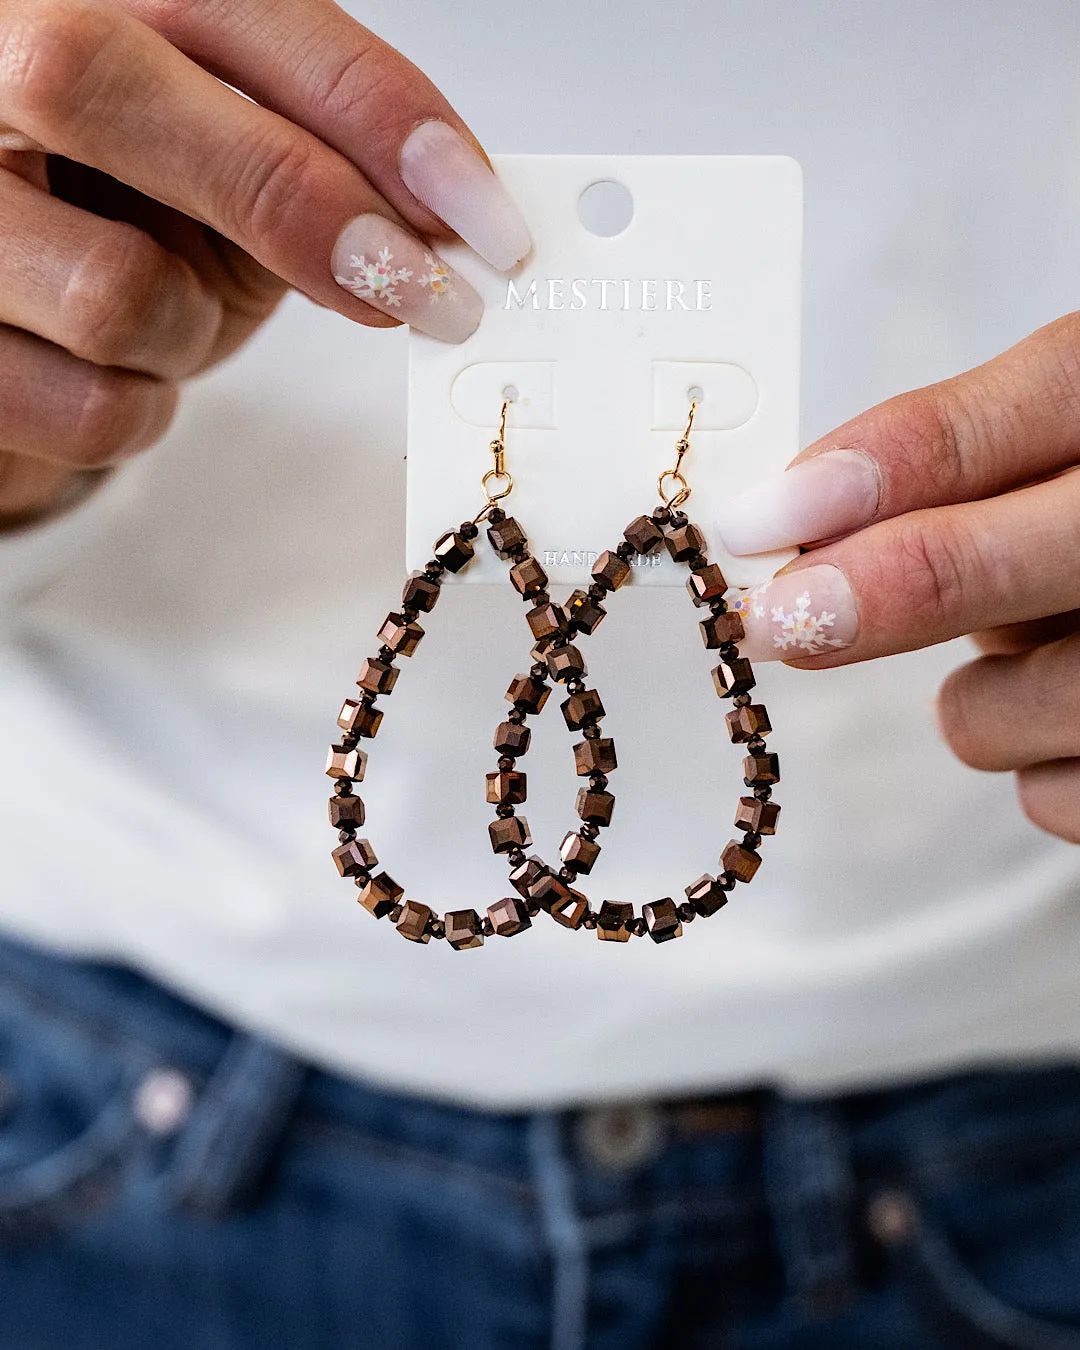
506,789
511,738
380,895
509,917
706,895
581,708
718,629
529,577
610,571
569,909
565,663
548,620
643,534
746,723
346,813
741,862
359,718
662,920
762,768
757,817
595,756
344,763
463,929
400,635
579,853
612,920
377,677
509,832
453,550
733,678
354,859
506,537
414,920
585,612
593,807
527,876
684,542
549,890
420,592
706,584
527,693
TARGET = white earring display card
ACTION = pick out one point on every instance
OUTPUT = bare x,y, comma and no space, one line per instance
690,290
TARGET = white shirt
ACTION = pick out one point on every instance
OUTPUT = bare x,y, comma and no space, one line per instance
174,652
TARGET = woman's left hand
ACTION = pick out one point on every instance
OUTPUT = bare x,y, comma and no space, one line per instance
951,510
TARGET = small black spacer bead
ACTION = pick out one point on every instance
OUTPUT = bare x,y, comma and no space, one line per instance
487,927
588,831
751,840
436,928
636,927
410,613
718,607
626,550
496,514
343,787
589,921
679,519
540,598
505,811
728,651
468,530
506,763
755,745
350,741
533,909
394,914
696,561
387,655
567,874
591,732
519,553
435,567
515,857
596,591
763,792
368,699
516,716
575,686
686,912
598,781
539,671
662,515
742,700
727,880
346,836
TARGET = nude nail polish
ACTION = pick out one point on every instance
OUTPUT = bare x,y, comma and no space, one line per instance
803,613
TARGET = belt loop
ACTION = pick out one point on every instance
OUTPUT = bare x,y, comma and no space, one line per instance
810,1189
234,1127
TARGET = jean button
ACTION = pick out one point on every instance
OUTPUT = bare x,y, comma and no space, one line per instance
622,1137
891,1217
163,1100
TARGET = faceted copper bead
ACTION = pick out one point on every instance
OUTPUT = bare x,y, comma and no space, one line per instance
733,678
706,895
662,920
509,832
420,592
746,723
529,577
343,763
506,789
359,718
380,895
612,920
595,756
569,908
643,534
594,807
585,612
706,584
565,663
354,858
610,571
527,693
757,817
581,708
762,768
579,853
346,813
548,620
377,677
400,635
684,542
506,537
413,923
549,890
527,877
453,550
509,916
512,739
741,862
720,628
463,929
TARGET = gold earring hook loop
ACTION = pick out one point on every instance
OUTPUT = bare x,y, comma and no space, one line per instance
498,473
682,492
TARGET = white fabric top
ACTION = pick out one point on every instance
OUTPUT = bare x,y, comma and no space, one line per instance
173,653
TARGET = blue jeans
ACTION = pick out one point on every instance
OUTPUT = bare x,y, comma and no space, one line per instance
170,1183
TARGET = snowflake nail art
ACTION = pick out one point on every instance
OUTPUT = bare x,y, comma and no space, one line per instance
798,614
801,630
376,280
439,278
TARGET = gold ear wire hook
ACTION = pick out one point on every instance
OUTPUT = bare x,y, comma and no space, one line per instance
498,449
681,447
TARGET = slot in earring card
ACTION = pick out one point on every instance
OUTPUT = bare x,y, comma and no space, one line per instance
691,289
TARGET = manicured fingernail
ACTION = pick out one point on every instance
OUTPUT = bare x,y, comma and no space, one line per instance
803,613
443,171
394,271
829,494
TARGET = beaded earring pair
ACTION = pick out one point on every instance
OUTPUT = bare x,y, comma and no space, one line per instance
555,629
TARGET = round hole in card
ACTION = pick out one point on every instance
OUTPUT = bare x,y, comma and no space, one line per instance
606,208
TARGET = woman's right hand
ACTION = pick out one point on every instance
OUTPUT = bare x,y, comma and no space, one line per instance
152,217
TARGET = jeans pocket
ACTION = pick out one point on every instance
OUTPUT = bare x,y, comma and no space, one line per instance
67,1130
